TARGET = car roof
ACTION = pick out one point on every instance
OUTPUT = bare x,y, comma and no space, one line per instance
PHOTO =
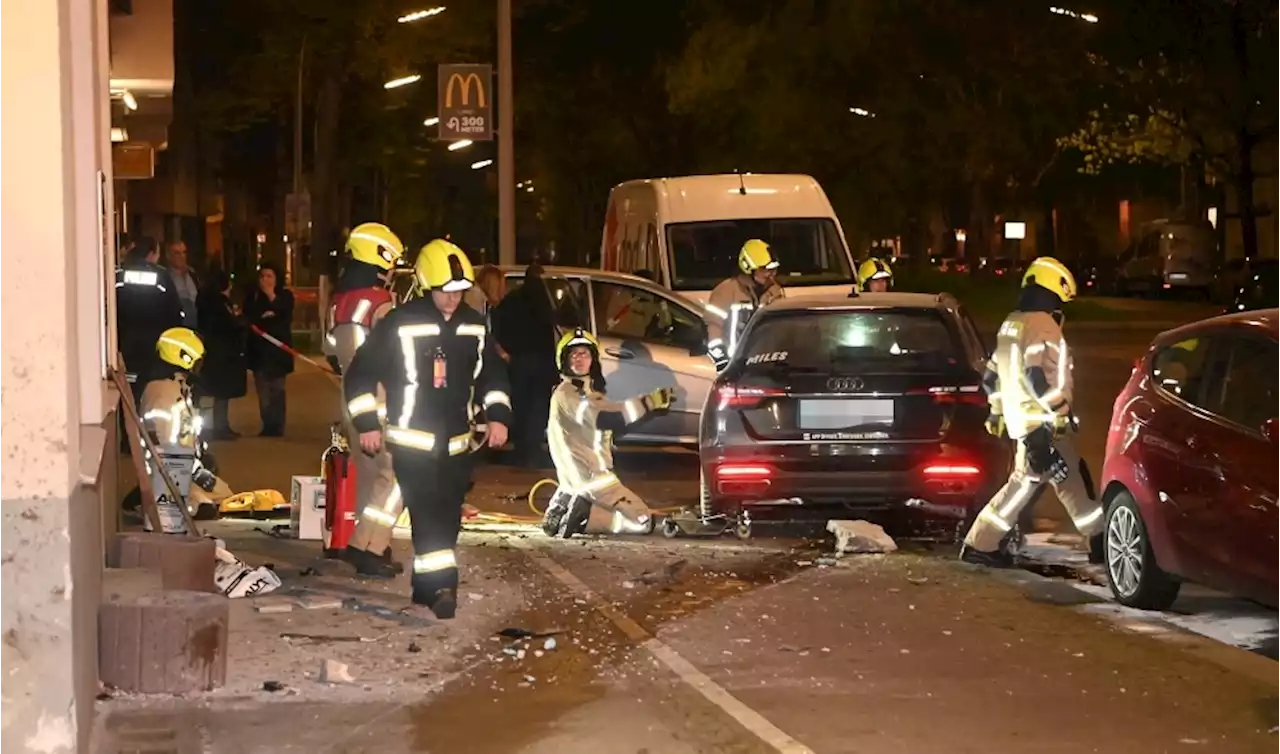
1261,320
895,299
607,276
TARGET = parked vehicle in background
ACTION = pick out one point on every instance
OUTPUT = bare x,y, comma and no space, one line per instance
649,338
1189,481
685,233
1258,287
1169,256
870,406
1227,280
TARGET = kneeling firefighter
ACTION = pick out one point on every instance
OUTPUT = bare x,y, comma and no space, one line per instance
875,276
363,297
169,414
433,356
1030,388
589,498
735,299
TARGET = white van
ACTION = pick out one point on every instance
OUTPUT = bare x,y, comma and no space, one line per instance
685,233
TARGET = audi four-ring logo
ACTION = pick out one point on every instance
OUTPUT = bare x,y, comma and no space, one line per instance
845,384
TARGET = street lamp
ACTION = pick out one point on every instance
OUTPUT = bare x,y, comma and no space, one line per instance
431,121
393,83
1086,17
862,112
479,164
462,144
418,15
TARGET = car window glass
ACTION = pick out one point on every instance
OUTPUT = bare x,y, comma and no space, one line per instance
1180,368
629,313
971,334
855,341
568,299
1247,392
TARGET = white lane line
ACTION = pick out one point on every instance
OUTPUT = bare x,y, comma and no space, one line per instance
697,680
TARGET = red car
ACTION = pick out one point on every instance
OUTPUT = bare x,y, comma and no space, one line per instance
1189,481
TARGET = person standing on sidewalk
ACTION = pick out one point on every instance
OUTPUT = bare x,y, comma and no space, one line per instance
361,299
1030,389
269,307
184,280
434,357
223,332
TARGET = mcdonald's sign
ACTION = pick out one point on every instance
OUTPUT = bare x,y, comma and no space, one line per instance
465,102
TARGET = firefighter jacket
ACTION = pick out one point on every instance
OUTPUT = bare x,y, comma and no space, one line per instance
1029,380
729,308
147,304
351,318
580,433
433,371
169,414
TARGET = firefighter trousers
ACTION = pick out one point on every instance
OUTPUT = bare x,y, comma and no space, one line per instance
434,488
1076,494
378,498
615,509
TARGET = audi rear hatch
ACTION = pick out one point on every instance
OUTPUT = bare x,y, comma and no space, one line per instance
852,375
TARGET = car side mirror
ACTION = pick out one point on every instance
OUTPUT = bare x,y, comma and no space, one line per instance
1271,429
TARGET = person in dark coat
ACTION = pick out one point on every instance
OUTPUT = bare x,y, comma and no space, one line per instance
525,325
269,307
223,330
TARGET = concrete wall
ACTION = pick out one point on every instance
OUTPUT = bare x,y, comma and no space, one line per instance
55,243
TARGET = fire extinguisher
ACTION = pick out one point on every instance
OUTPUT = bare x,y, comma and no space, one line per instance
339,473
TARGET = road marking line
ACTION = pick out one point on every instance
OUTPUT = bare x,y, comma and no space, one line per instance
697,680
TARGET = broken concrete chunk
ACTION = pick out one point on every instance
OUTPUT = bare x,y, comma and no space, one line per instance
273,605
319,602
860,537
333,671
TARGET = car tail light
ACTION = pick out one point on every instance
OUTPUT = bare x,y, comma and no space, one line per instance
951,470
971,395
743,471
732,396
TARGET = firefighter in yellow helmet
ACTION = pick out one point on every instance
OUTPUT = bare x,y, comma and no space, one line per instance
875,276
734,300
1030,390
361,299
435,358
589,498
169,415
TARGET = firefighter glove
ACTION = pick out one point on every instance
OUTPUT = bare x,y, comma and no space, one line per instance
995,425
661,399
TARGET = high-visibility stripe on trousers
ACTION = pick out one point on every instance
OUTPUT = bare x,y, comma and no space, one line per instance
433,488
1002,511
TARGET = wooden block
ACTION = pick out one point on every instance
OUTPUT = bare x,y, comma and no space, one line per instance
184,563
128,583
173,642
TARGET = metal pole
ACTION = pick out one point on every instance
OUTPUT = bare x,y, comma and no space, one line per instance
506,141
297,161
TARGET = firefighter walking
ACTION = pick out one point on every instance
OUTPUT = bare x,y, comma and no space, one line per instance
733,301
435,358
589,497
362,298
1030,389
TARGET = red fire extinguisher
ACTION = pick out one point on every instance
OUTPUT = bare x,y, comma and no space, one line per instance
339,474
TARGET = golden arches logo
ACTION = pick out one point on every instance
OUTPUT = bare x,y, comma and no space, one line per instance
464,84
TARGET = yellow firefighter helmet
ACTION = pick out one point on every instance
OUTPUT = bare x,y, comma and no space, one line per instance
442,265
873,269
181,347
375,244
756,255
1049,273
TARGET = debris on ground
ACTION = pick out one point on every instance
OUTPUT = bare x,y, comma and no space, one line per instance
319,602
860,537
332,671
272,686
414,648
274,605
324,637
670,572
235,578
549,644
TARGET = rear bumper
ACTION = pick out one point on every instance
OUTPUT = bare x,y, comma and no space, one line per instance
802,481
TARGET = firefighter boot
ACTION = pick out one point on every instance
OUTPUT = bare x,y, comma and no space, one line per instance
998,559
442,602
370,565
576,517
389,561
555,513
1098,548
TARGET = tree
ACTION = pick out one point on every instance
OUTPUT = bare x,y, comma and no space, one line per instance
1190,84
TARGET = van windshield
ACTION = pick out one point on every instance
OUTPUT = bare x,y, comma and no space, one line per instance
809,250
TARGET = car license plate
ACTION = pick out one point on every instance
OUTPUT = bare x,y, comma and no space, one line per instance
844,413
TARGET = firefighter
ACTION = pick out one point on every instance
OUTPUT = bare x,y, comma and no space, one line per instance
875,276
168,413
147,304
434,357
362,298
589,498
1030,387
734,300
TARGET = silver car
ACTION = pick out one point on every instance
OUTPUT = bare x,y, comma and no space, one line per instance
650,337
